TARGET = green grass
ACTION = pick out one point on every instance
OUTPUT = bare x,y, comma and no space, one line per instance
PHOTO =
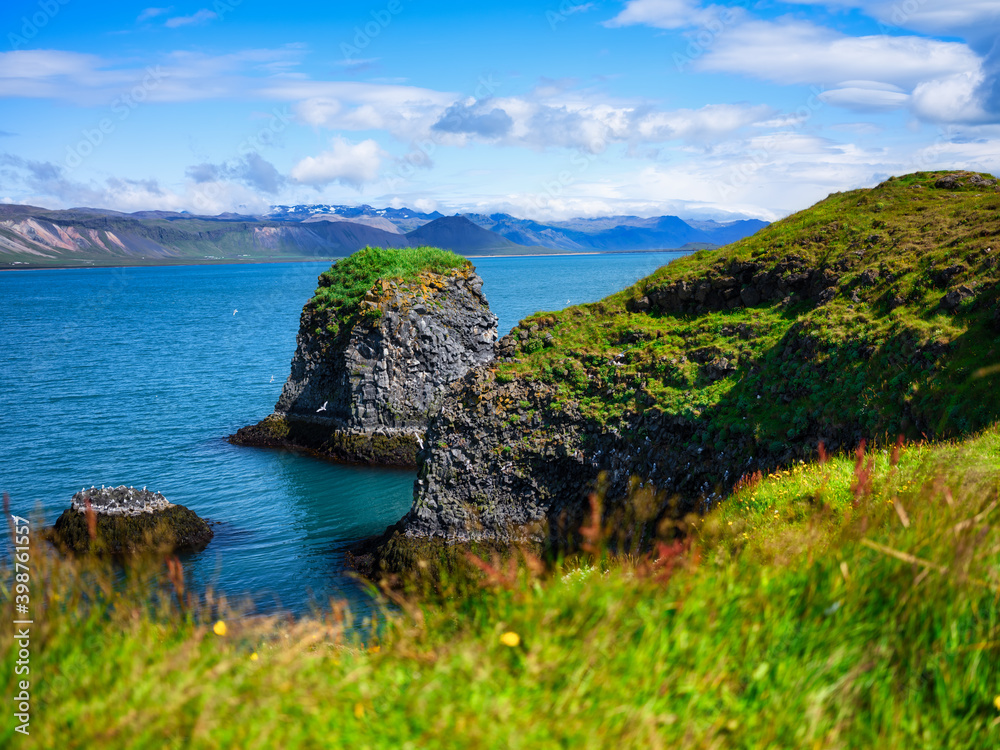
342,288
881,359
845,604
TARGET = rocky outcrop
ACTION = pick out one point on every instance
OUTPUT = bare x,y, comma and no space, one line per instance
743,284
127,520
365,391
860,319
502,463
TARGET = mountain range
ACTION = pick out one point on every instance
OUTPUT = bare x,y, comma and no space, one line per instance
34,236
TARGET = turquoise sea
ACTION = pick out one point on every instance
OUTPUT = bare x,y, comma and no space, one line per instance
136,376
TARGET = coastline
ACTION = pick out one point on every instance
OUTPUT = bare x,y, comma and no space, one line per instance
261,261
180,262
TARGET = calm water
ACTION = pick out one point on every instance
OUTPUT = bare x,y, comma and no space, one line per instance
135,376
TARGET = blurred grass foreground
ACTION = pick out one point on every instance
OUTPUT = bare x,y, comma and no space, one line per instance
850,602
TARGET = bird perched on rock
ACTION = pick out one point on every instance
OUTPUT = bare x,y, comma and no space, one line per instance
323,407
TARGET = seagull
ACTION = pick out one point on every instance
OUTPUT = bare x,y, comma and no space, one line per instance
235,311
272,378
323,407
420,442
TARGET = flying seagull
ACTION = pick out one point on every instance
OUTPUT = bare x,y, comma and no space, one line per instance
235,311
323,407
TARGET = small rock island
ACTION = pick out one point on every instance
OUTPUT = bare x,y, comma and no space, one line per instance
386,332
128,520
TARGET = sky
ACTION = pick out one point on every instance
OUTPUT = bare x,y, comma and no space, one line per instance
546,110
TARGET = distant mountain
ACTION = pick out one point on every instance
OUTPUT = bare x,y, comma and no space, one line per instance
36,236
723,234
458,234
611,233
403,218
30,235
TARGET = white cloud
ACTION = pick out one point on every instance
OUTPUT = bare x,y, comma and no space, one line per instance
866,96
152,13
202,16
932,16
792,51
952,99
697,125
662,14
47,184
352,164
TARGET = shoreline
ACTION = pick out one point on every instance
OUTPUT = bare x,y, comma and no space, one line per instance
261,261
179,263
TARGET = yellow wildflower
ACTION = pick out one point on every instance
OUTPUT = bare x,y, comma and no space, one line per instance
510,638
254,657
996,702
359,711
219,628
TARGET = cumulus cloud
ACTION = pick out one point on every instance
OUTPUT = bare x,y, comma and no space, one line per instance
253,170
46,184
476,118
790,51
352,164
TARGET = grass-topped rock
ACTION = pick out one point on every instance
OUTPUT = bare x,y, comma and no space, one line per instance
870,315
120,520
385,333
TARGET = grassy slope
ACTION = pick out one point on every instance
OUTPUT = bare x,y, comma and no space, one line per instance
342,288
823,607
882,358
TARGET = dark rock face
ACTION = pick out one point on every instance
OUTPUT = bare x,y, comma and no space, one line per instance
502,465
744,284
958,180
128,520
367,393
956,296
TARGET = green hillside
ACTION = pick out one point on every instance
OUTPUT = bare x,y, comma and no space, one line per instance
871,314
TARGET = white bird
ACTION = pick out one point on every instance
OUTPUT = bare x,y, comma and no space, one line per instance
235,311
323,407
420,442
272,378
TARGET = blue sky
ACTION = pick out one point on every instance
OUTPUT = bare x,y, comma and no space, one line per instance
545,110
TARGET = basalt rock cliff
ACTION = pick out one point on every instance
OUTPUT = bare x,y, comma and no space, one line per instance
369,373
870,316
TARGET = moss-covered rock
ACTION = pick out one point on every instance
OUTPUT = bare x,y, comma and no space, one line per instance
384,335
125,521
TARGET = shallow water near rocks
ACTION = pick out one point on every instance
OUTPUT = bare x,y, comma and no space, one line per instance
136,376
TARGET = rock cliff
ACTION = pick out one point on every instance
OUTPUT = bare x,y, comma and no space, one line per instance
872,315
370,370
